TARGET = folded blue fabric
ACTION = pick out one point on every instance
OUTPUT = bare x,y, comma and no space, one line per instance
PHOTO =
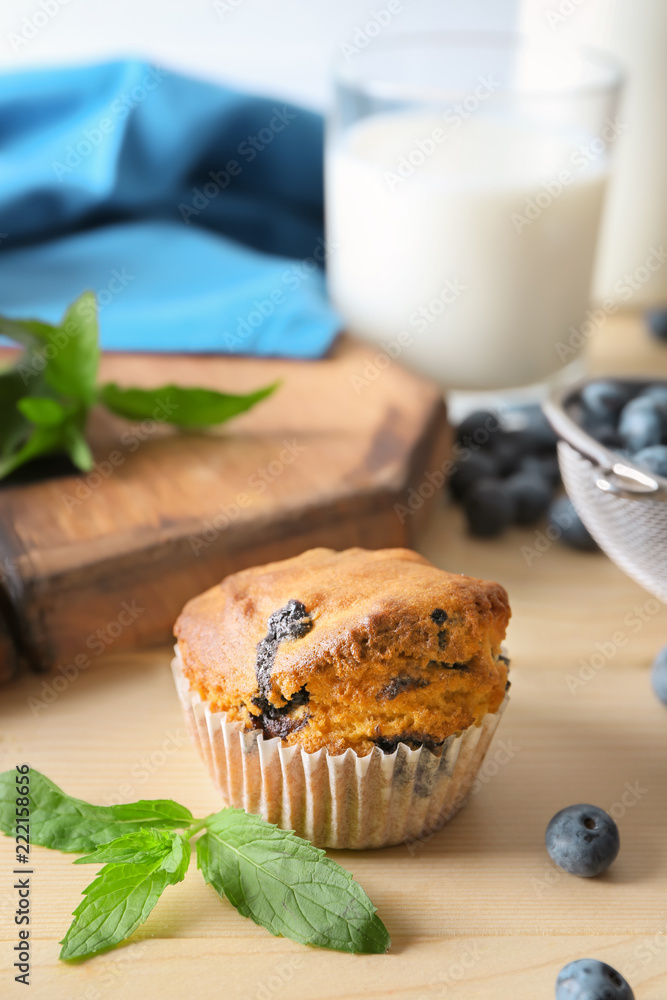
193,211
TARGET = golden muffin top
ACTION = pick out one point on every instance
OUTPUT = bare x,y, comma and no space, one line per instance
348,649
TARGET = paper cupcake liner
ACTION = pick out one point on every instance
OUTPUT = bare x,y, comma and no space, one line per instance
343,800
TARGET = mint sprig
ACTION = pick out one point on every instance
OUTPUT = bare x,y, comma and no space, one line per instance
275,878
45,397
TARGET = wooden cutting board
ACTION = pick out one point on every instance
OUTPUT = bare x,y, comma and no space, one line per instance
107,560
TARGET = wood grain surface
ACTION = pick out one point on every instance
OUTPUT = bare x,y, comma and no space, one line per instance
478,912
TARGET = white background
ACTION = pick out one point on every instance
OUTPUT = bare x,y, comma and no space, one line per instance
278,47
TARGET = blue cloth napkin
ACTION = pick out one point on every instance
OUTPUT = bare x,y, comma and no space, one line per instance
193,211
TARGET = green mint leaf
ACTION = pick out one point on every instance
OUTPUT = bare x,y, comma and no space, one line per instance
76,446
42,441
45,439
59,362
74,358
71,362
14,425
174,404
140,845
42,411
31,333
122,896
67,824
286,885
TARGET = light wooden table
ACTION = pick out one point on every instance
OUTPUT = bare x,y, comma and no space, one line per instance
477,912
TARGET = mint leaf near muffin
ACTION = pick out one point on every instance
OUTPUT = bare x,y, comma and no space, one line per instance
145,846
64,823
286,885
123,894
131,847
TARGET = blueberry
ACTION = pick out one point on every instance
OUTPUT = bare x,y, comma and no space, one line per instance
654,459
659,675
544,465
489,509
478,465
531,420
508,451
536,440
582,840
531,494
478,428
657,323
640,424
564,518
603,430
608,436
589,979
605,398
657,393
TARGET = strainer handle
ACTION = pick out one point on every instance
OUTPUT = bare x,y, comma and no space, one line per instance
629,483
613,475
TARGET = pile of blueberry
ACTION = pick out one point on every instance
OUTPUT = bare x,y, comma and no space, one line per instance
628,419
507,473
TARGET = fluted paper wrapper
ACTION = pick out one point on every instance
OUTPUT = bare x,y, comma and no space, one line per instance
342,800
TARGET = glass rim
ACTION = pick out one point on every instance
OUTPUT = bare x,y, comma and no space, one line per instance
376,86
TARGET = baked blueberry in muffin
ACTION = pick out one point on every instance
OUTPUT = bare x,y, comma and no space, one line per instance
348,650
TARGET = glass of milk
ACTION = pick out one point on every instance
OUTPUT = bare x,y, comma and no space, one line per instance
465,177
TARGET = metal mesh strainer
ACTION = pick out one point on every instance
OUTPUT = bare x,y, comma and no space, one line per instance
623,506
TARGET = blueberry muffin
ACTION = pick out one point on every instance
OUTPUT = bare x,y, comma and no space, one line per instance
344,656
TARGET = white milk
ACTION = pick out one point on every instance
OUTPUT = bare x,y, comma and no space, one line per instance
478,258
